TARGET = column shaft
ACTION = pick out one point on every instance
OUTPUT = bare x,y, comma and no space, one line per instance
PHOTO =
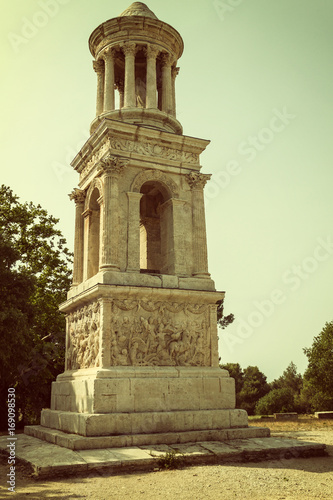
86,221
166,84
200,261
99,68
78,196
78,245
110,238
174,73
109,80
151,81
133,234
129,94
173,221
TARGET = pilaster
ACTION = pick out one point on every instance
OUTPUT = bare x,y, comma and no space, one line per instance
78,196
197,182
110,168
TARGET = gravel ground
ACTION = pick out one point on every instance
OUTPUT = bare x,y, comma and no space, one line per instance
301,479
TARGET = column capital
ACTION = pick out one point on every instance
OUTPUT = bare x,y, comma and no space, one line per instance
129,48
112,165
174,71
98,66
78,195
167,59
109,52
151,51
197,180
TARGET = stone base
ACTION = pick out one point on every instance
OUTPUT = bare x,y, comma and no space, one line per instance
49,460
131,406
143,389
76,442
115,424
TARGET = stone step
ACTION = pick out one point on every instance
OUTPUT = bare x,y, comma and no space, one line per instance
77,442
50,460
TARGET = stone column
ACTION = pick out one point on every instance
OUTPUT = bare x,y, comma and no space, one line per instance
151,81
174,73
86,243
78,196
120,88
174,257
166,83
133,234
99,68
129,49
111,167
109,54
197,182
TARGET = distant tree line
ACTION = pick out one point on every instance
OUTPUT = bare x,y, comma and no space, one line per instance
291,392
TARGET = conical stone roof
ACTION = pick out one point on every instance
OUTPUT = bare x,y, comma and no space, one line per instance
138,9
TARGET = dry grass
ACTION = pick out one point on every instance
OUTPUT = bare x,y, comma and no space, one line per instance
304,423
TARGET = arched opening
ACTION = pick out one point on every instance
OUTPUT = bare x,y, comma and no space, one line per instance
93,243
153,228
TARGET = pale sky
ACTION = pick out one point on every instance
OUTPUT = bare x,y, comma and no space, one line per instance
256,78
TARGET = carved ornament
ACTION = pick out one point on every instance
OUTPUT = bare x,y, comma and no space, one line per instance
98,66
78,195
83,343
129,48
197,180
147,333
154,150
112,164
155,175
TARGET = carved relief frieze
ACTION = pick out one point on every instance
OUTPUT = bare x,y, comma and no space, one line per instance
148,333
95,158
83,343
153,150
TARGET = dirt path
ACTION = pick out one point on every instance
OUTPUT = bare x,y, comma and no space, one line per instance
301,479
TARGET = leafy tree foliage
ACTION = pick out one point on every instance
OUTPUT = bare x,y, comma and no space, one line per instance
34,277
276,401
255,386
222,320
251,385
318,377
284,395
289,379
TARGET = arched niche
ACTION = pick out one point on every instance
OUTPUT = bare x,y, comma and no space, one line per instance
154,227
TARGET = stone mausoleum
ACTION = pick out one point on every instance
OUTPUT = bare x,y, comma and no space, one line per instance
142,362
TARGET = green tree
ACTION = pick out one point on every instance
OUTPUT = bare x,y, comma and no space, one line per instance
35,276
255,386
289,379
284,395
236,372
318,377
276,401
222,320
